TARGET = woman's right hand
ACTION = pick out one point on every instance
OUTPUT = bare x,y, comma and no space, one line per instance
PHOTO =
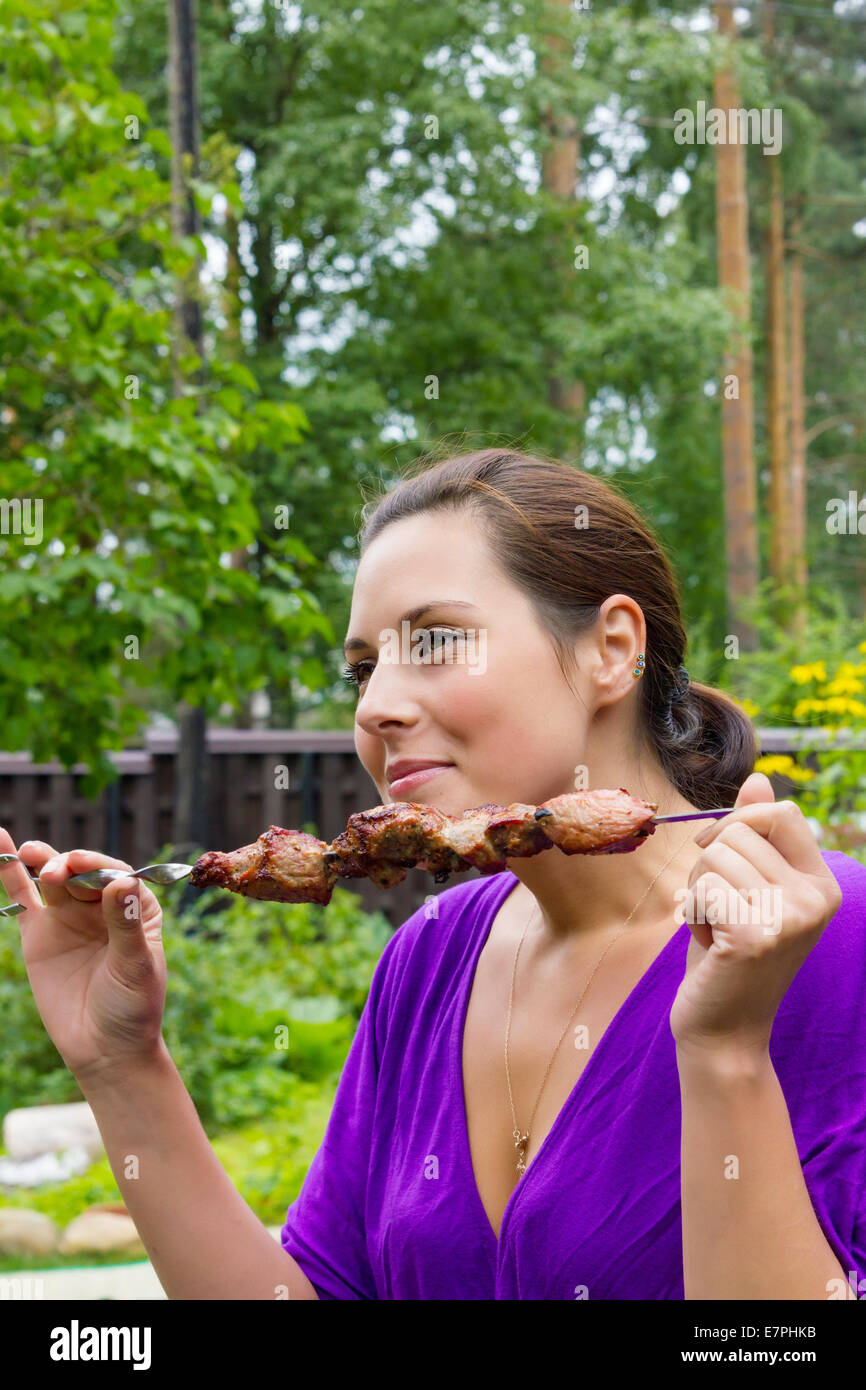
94,957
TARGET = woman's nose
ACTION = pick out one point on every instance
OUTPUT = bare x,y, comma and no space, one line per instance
385,698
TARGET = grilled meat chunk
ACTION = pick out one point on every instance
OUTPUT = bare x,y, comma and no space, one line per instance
401,832
283,866
597,822
407,833
486,836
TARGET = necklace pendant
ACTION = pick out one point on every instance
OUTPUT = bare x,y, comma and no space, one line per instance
520,1143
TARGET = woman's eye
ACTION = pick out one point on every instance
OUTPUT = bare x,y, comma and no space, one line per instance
444,636
438,639
355,673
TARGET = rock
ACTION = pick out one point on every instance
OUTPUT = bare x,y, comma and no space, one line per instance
40,1129
34,1172
25,1232
100,1229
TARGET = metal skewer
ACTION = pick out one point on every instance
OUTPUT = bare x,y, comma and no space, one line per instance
100,878
172,873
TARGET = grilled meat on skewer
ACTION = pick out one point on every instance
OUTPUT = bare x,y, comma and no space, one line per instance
597,822
284,866
406,832
381,844
402,832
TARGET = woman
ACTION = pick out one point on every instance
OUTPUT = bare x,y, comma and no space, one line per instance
559,1088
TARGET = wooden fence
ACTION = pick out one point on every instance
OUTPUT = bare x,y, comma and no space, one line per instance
310,780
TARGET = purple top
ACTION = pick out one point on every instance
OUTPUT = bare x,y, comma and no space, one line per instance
389,1208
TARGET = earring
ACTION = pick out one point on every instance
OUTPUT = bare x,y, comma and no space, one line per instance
639,665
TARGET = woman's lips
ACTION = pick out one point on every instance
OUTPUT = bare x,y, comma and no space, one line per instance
414,779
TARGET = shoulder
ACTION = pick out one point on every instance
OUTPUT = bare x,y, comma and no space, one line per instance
844,937
437,938
849,872
834,972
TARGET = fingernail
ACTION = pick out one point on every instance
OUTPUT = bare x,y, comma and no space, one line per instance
705,834
52,864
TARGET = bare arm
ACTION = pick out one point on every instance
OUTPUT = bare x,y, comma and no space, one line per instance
749,1227
97,969
203,1239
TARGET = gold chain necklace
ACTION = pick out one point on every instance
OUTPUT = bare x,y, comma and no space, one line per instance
521,1140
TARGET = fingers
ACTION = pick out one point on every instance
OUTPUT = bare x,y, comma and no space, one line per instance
780,822
740,848
121,910
54,869
15,878
730,864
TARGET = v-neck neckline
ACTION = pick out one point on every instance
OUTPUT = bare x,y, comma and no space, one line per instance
603,1043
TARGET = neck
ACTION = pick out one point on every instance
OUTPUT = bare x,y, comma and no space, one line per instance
587,896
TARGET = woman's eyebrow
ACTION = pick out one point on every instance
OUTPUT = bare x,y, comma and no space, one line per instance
354,644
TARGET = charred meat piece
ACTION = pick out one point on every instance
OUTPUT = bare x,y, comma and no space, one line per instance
385,873
400,833
597,822
464,844
408,833
488,835
516,833
283,866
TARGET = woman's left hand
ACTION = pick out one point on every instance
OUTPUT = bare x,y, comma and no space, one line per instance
745,951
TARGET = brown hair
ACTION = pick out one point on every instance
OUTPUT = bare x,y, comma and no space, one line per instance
568,561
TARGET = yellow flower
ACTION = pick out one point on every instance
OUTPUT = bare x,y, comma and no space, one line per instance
846,681
747,706
780,763
833,705
815,671
774,762
801,774
844,685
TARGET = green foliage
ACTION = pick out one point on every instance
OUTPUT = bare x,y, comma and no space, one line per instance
763,676
242,981
824,694
241,973
487,300
66,1200
136,497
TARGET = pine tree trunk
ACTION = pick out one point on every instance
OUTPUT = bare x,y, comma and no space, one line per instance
738,457
191,764
560,164
183,120
797,395
783,556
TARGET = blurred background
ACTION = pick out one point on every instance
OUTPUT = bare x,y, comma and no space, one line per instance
257,257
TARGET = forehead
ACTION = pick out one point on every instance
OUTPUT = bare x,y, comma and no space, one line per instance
421,556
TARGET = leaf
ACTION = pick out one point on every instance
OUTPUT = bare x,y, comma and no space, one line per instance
230,399
241,376
312,673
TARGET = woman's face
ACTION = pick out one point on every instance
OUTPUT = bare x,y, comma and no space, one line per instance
497,710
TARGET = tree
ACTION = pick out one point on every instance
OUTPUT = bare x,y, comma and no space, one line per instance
123,598
738,458
401,339
783,562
